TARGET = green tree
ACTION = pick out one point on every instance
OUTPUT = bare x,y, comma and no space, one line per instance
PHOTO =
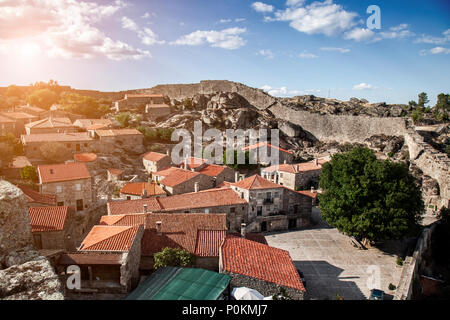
28,173
369,198
188,104
417,115
237,166
423,100
87,106
174,258
42,98
123,119
54,151
441,111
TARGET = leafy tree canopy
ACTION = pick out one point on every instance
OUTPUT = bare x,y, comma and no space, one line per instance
172,257
87,106
42,98
28,173
369,198
54,151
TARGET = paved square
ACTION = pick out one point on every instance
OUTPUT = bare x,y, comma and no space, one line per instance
331,265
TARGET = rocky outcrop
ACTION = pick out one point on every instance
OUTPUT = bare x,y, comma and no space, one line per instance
15,232
26,275
32,280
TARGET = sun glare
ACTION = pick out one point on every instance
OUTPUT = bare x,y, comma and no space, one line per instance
28,50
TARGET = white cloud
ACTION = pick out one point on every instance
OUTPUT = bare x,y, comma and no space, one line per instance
224,20
435,50
262,7
363,86
229,39
293,3
435,40
398,32
239,20
266,53
64,28
341,50
317,18
146,35
361,34
307,55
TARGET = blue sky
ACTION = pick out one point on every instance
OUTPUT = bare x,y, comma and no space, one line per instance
289,47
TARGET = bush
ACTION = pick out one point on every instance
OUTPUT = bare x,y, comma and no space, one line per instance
43,98
54,151
399,261
28,173
123,119
174,258
391,286
156,134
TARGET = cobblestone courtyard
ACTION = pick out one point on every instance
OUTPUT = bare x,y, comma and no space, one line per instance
331,265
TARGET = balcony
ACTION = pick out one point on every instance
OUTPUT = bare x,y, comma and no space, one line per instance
268,201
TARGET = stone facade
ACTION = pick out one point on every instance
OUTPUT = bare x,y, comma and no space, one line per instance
78,194
129,270
296,181
135,101
154,166
82,144
128,142
204,182
154,112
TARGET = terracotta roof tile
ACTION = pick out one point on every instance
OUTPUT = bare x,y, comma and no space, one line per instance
256,182
209,242
44,219
175,176
109,238
260,261
50,123
85,157
260,144
134,206
36,197
297,167
193,163
154,156
4,119
213,170
136,188
124,219
63,172
58,137
117,132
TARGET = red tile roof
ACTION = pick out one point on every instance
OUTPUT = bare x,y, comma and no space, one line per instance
203,199
154,156
181,231
256,182
298,167
193,163
175,176
212,170
308,193
58,137
44,219
124,219
50,123
36,197
209,242
110,238
260,261
63,172
4,119
85,157
136,188
134,206
117,132
260,144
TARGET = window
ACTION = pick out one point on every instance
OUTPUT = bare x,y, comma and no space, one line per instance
69,145
58,189
268,195
259,211
260,195
60,204
80,205
206,210
78,187
85,144
232,210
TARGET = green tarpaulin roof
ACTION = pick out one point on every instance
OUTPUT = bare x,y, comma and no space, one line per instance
171,283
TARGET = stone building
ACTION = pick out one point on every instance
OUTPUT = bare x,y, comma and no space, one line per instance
36,199
52,227
177,181
260,267
141,190
272,207
35,111
92,124
201,234
218,172
116,239
50,125
155,111
284,156
296,176
7,125
154,161
135,101
74,142
20,119
127,139
70,182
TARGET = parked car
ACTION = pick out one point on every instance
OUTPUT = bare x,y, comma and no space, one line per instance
376,294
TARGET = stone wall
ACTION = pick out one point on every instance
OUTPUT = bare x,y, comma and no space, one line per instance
263,287
340,128
411,265
129,270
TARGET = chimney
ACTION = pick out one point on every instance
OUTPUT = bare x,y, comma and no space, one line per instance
185,163
145,208
168,152
196,187
316,161
158,228
243,229
312,189
236,176
144,193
